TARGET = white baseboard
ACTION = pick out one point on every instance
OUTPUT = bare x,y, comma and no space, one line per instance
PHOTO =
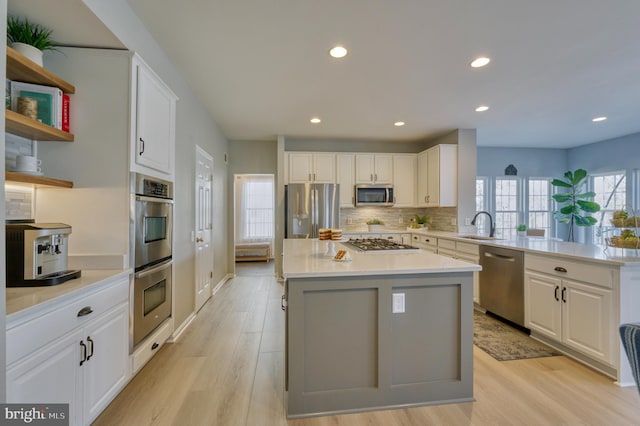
177,333
221,282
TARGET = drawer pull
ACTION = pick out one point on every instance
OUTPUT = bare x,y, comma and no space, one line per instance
154,346
85,311
559,269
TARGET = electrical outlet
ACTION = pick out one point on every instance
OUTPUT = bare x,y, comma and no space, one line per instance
467,221
454,221
398,303
400,220
349,220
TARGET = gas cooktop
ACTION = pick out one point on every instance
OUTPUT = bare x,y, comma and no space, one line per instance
378,245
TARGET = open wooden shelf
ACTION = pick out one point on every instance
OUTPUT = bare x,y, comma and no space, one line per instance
37,180
26,127
22,69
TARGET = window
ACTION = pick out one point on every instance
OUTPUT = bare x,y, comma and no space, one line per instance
539,204
254,208
506,199
482,197
611,190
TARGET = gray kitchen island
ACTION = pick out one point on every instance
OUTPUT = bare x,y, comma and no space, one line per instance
382,330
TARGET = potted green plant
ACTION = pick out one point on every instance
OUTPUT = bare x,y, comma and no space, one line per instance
576,202
28,38
419,221
521,229
375,224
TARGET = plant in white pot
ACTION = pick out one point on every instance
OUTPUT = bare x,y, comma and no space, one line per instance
375,224
28,38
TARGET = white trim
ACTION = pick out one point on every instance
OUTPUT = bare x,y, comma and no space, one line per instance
178,333
222,282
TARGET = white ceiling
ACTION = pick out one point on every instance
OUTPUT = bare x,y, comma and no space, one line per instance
262,69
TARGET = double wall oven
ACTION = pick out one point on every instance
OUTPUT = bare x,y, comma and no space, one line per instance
152,227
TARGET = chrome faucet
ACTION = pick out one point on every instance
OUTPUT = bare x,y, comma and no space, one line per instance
492,228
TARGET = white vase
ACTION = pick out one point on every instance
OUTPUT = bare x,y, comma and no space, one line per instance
375,228
28,51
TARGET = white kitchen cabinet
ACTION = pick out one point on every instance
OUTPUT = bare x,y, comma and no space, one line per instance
425,242
404,179
153,130
438,176
309,167
468,252
74,351
572,302
346,178
374,168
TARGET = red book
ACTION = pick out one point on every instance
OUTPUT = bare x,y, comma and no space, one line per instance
65,112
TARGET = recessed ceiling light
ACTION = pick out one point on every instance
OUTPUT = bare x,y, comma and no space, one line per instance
338,52
399,123
482,108
315,120
480,62
595,120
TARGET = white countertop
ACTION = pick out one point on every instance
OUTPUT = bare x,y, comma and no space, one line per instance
578,251
307,258
20,299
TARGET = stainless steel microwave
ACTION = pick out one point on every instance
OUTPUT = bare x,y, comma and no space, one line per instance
374,195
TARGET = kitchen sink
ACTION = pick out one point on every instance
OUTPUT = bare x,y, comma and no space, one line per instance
478,237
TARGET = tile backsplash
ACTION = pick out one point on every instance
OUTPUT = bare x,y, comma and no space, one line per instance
441,218
18,202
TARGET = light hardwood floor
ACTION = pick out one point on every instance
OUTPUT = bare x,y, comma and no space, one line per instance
227,369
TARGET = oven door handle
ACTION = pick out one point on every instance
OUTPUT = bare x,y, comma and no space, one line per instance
156,268
154,199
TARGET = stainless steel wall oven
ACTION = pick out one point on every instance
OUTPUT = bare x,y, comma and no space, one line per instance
152,207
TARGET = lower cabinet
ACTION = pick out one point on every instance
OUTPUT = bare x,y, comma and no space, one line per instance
425,242
85,365
576,313
468,252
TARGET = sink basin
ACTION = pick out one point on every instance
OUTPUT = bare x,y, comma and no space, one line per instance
478,237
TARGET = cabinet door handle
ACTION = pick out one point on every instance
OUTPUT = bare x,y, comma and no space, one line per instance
375,177
154,346
555,293
559,269
564,294
309,176
91,347
371,177
141,146
283,302
314,176
83,348
85,311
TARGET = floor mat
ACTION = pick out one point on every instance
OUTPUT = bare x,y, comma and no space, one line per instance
504,342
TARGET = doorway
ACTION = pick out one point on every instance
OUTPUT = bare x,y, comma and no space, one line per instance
254,226
204,228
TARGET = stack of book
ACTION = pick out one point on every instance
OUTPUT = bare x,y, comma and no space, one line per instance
53,104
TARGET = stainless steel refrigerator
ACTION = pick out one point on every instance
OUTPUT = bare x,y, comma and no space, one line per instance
309,207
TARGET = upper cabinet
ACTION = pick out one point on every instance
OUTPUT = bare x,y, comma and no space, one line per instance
346,178
153,135
404,179
438,176
374,168
312,167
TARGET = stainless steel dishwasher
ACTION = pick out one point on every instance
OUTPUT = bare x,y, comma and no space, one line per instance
502,282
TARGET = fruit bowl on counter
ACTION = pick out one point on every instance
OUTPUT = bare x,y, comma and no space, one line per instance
626,230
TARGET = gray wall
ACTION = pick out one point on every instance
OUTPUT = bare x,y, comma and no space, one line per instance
621,153
194,126
247,157
529,161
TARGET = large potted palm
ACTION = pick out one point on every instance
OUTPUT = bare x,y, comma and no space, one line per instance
28,38
575,202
